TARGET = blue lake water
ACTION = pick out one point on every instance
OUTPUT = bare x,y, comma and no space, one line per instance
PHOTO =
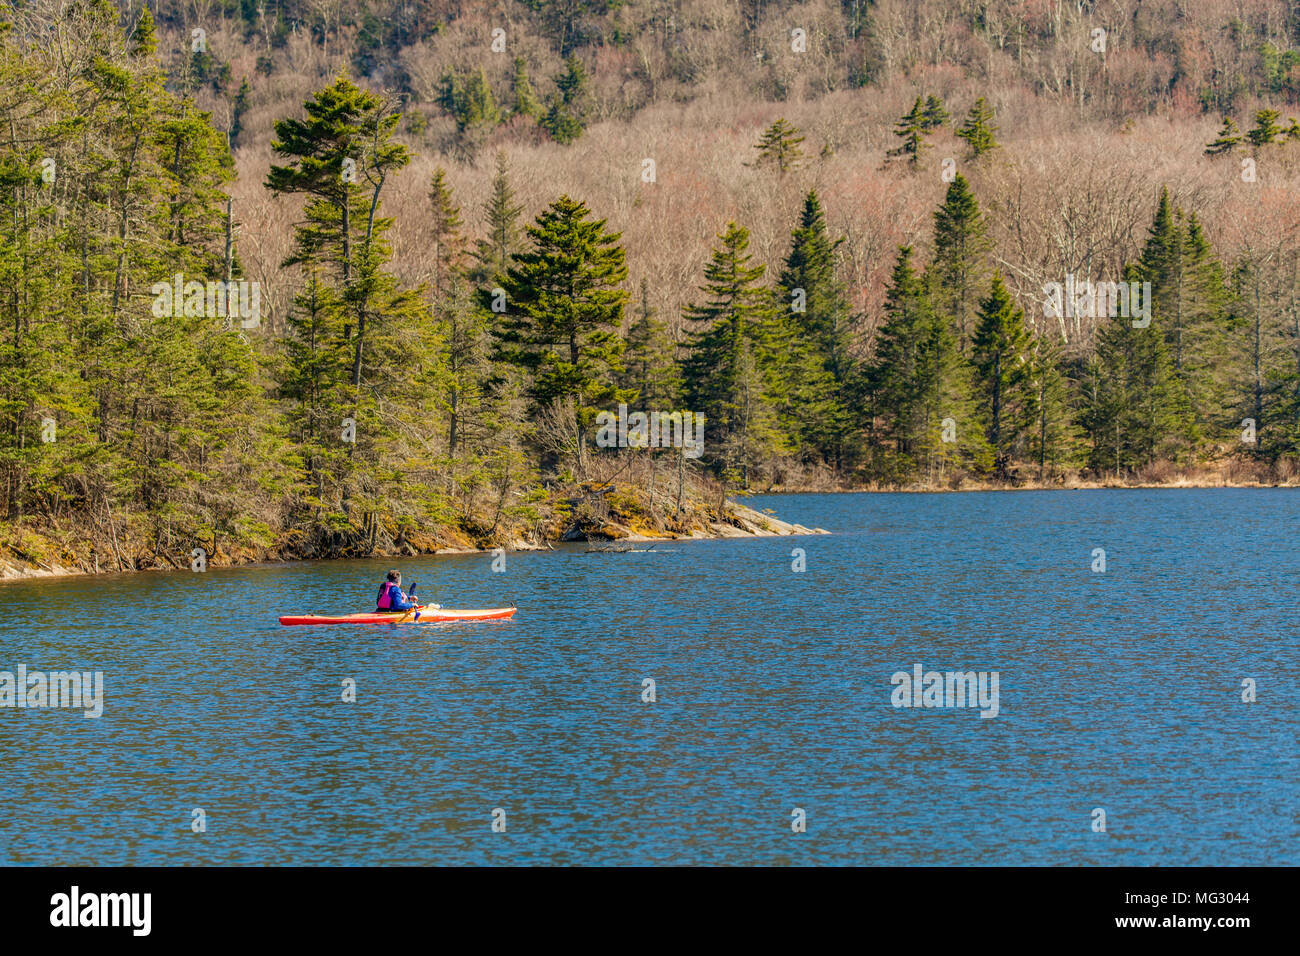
1119,690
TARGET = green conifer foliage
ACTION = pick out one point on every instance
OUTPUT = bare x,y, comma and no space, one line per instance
779,146
961,249
1000,352
564,310
731,366
978,130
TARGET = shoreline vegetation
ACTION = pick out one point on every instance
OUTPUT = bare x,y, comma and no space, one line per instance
615,524
609,513
1227,473
739,521
286,284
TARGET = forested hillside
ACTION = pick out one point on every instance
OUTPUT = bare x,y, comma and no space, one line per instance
300,278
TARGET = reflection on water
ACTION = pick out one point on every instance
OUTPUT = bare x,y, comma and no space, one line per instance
1119,690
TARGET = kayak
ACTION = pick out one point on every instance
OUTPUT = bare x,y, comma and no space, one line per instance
427,616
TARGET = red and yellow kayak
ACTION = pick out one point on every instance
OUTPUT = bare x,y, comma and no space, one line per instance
428,615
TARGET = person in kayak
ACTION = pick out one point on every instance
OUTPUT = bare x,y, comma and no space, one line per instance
391,597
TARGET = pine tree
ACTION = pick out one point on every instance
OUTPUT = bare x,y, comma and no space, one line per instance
978,130
911,130
1229,138
1202,364
1188,301
816,313
471,103
144,38
503,237
961,248
1265,324
566,117
650,360
779,146
946,402
238,110
1132,411
565,309
340,157
1051,432
478,108
730,367
1265,130
313,380
1000,352
891,381
465,346
521,89
919,387
451,92
934,115
444,224
461,326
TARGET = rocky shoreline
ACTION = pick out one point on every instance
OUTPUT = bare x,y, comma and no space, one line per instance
739,521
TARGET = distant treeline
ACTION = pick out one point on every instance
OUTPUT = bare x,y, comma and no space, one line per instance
1214,54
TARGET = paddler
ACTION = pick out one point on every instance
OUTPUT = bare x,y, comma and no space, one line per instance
391,596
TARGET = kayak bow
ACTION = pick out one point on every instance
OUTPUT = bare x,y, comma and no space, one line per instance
428,615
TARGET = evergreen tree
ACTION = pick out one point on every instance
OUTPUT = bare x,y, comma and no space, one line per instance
566,117
730,368
817,354
911,131
1229,138
477,107
650,360
471,103
503,238
1133,411
1000,352
451,92
521,89
313,380
961,248
565,309
340,156
144,38
238,110
1265,130
978,131
461,326
464,335
1202,364
1051,431
158,429
445,226
894,408
1189,301
933,115
1265,327
779,146
952,434
919,387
